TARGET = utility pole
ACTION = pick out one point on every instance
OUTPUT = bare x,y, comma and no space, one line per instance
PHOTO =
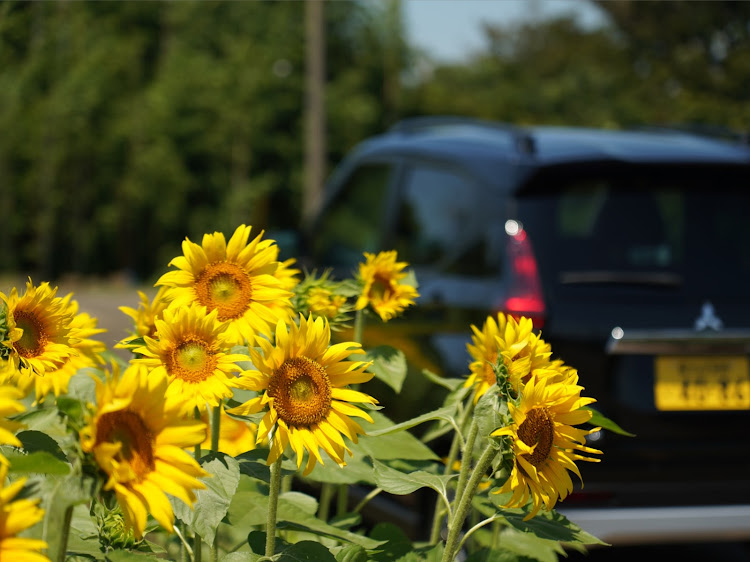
315,114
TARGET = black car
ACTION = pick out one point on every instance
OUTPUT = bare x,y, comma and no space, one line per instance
630,250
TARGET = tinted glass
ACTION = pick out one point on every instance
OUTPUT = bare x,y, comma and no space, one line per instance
688,230
353,223
444,223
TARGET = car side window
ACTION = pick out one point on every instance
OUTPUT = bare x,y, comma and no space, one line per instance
440,223
353,222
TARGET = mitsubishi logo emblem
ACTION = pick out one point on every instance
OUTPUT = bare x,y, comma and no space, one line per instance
708,319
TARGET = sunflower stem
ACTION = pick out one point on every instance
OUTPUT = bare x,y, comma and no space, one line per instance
466,456
197,541
494,519
197,450
286,483
273,502
64,534
215,428
459,514
215,432
186,553
326,493
437,519
439,513
497,526
359,324
342,498
197,548
374,492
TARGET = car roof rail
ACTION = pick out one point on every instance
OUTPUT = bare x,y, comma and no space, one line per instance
523,138
709,131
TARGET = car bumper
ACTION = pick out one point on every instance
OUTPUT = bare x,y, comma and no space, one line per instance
648,525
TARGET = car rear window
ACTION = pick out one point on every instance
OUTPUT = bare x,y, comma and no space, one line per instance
685,228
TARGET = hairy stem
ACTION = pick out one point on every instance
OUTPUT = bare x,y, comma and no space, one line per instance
326,493
466,456
464,504
64,534
273,503
215,428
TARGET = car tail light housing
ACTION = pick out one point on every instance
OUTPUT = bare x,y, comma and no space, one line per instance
524,296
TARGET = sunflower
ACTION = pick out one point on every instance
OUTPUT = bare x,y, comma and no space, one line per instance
323,302
192,352
15,517
384,287
237,279
286,275
145,315
522,352
544,442
38,338
88,354
322,296
302,380
137,437
9,406
235,436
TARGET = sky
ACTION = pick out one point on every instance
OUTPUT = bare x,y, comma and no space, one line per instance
450,30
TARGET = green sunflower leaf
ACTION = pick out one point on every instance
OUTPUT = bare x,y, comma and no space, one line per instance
305,503
130,556
397,544
449,383
249,509
599,420
389,365
401,483
357,471
549,525
390,444
351,553
306,551
213,502
40,462
242,557
38,441
445,414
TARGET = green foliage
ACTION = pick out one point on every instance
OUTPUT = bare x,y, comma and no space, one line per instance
129,121
600,420
654,63
213,502
389,365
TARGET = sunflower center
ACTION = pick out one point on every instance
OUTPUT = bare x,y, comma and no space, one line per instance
34,337
301,392
537,429
128,429
224,286
191,361
381,288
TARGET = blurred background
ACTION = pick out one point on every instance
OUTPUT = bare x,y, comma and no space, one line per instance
127,126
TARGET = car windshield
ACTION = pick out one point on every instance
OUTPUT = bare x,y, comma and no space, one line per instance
683,230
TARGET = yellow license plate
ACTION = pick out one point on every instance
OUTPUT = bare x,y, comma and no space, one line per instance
702,383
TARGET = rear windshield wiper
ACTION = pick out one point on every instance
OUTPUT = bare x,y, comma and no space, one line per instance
620,278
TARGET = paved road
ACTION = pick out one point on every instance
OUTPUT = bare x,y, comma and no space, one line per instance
101,300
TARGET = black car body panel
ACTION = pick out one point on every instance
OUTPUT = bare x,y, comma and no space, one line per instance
629,249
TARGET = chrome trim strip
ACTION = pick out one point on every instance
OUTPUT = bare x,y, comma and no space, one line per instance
630,526
682,342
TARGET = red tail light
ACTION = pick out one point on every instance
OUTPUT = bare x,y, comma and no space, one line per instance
524,297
